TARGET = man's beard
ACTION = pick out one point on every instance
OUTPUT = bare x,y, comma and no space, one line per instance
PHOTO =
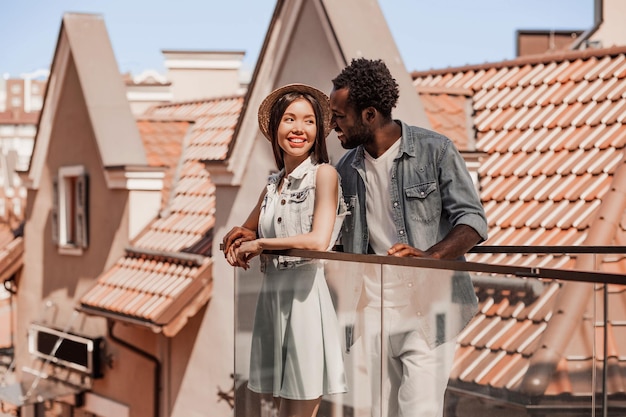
358,135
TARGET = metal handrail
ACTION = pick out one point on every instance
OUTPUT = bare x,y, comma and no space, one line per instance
512,270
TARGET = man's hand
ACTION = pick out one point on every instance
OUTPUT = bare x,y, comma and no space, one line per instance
404,250
456,244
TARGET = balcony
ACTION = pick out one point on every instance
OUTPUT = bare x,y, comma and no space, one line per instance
548,336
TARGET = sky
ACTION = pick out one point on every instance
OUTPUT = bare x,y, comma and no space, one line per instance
429,33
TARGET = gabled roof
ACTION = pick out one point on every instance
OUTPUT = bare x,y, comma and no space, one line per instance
83,42
553,130
310,42
214,122
166,275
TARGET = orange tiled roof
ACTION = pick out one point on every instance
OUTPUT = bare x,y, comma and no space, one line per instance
449,113
214,119
165,276
191,212
163,142
553,131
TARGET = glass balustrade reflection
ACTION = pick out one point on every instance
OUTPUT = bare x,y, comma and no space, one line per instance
269,312
530,345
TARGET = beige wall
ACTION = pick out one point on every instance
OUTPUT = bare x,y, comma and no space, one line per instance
6,320
202,74
310,40
192,84
211,360
612,31
130,378
62,279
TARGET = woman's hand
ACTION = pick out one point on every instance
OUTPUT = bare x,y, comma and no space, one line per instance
246,251
233,240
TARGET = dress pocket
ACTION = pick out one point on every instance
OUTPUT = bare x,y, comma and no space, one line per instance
300,207
299,196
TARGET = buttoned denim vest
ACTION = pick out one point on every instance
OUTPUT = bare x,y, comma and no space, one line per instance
294,213
431,192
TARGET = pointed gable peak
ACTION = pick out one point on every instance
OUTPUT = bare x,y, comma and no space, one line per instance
310,42
84,56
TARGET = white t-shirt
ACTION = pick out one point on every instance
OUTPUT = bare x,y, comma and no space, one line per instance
382,230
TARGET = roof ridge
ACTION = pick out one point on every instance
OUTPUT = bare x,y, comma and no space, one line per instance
527,60
440,89
200,100
165,118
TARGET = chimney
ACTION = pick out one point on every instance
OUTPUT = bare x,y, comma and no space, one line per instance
203,74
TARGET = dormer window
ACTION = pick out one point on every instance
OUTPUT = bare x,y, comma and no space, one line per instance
69,211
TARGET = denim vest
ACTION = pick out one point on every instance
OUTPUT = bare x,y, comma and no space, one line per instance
431,192
293,214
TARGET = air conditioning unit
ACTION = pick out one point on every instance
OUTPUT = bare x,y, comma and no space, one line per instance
81,353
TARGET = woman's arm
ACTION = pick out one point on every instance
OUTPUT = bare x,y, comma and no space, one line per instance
324,213
239,234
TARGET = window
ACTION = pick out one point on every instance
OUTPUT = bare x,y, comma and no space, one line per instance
69,211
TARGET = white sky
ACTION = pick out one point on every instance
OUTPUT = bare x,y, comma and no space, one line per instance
429,33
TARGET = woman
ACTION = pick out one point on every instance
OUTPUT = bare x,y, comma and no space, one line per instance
296,350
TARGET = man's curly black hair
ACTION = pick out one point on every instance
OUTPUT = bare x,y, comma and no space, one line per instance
369,84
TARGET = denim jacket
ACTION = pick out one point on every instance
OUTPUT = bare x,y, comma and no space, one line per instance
294,213
431,193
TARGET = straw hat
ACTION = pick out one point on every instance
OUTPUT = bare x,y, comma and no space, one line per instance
266,106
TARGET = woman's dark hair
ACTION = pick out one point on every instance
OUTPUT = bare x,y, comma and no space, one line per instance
320,154
369,84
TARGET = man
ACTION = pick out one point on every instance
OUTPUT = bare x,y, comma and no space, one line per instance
409,194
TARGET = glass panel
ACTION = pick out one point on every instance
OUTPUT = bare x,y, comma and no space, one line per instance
528,349
299,335
533,343
423,311
360,322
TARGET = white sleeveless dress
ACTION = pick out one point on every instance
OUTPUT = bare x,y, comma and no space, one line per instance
296,350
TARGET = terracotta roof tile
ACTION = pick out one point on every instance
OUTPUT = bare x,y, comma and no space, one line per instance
447,113
166,274
527,80
615,113
550,162
163,141
585,69
584,115
517,74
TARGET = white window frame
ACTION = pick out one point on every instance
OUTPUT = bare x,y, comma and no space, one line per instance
69,214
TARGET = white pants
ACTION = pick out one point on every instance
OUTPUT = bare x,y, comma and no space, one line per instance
411,378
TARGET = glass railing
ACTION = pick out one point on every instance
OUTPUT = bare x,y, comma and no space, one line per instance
525,340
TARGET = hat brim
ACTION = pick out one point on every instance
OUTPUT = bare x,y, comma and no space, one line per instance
266,106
